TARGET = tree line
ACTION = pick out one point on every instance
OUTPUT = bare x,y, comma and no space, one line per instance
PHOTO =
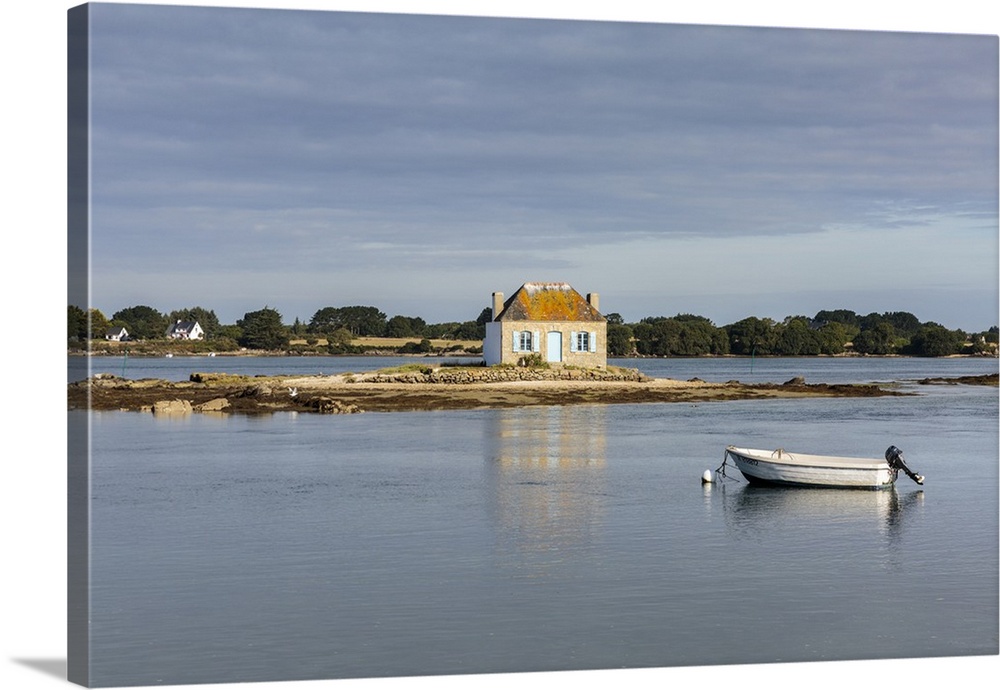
829,332
264,329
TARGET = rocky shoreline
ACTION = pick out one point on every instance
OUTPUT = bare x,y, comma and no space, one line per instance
426,388
981,380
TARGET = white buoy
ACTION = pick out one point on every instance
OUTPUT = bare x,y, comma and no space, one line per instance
706,478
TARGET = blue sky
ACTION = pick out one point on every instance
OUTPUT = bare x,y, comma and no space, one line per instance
298,160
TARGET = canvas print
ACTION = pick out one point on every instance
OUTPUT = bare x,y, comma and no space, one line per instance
414,345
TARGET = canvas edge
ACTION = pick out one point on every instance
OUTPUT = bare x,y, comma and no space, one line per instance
78,294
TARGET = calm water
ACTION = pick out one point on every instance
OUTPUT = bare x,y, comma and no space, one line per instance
298,546
761,369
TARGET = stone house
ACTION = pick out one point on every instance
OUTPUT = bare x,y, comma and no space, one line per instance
551,321
185,330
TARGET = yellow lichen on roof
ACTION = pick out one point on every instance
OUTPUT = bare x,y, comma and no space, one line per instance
549,302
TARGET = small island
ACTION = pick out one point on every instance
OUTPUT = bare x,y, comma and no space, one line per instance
421,387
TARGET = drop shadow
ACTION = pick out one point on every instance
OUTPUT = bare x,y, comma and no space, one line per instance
50,667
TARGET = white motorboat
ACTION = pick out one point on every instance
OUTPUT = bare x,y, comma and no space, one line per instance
781,467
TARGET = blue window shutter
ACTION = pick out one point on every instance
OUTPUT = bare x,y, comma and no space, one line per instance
536,341
517,341
593,341
572,341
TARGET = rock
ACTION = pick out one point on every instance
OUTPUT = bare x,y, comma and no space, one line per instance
257,391
172,407
327,405
214,405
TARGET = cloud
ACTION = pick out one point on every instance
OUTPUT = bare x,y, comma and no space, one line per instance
301,138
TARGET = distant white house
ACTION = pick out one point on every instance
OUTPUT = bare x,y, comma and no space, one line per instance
186,330
118,333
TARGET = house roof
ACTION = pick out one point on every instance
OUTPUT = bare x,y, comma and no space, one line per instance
183,326
548,302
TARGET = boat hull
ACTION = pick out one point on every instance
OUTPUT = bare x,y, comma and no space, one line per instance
781,468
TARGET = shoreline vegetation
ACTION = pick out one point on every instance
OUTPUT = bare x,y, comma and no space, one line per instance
365,330
417,387
359,347
461,350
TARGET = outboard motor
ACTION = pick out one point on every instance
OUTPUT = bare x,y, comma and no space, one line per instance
894,456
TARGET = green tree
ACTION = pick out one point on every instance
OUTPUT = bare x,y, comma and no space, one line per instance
363,321
416,348
230,332
662,337
485,316
720,341
934,340
833,336
699,336
843,316
751,336
339,337
77,327
645,337
398,327
796,338
870,321
684,335
877,337
903,323
469,330
325,320
466,330
405,326
141,322
98,324
263,330
360,321
982,342
620,340
441,330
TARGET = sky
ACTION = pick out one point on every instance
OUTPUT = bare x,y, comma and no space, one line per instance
246,158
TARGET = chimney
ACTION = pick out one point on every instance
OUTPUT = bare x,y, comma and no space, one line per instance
497,304
594,300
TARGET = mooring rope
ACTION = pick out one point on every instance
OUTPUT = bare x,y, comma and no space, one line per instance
721,470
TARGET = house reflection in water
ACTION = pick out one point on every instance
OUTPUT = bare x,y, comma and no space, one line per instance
547,478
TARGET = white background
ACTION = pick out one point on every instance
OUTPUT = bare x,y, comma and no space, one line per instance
34,257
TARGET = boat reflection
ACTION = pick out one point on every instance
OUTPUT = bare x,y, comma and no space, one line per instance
755,510
547,476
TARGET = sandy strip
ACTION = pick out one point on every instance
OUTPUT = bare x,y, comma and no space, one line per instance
335,394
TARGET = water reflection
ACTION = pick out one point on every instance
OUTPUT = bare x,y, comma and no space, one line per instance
754,510
547,478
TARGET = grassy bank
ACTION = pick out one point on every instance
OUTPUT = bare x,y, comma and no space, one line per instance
298,346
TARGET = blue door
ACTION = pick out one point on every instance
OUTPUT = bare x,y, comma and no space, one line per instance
553,351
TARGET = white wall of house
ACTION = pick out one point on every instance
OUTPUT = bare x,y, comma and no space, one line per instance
492,343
